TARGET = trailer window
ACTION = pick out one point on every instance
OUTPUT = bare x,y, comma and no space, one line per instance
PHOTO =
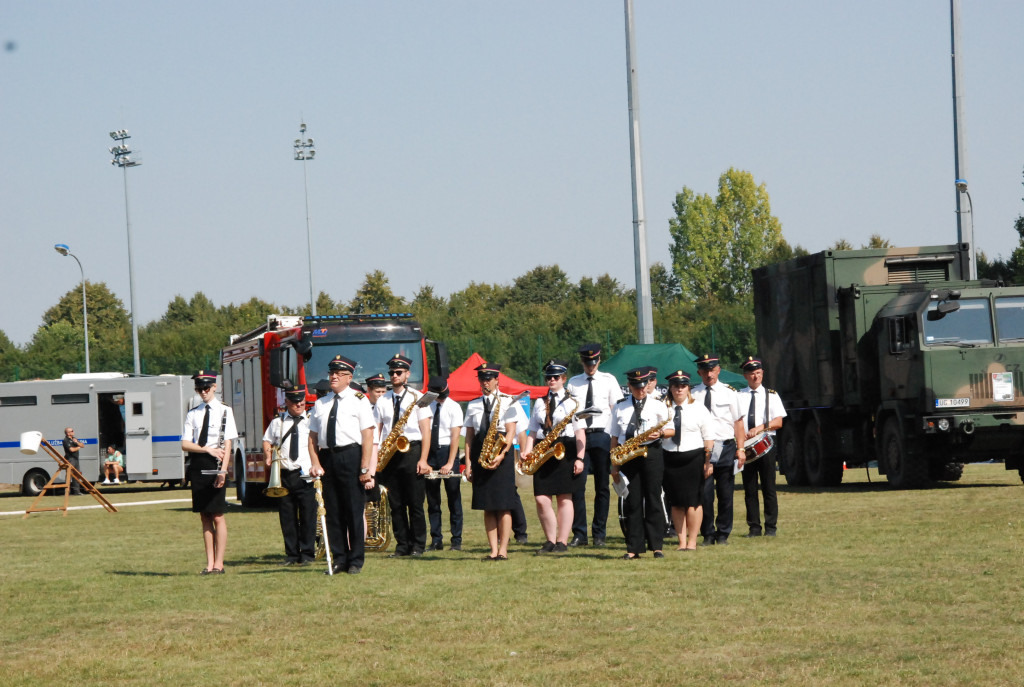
17,400
1010,318
63,399
970,324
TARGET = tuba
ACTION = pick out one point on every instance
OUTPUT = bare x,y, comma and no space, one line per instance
543,451
634,448
394,441
378,525
494,442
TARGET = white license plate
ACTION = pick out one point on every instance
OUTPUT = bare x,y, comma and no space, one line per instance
952,402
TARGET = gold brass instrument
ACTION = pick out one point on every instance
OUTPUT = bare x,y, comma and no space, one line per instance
634,448
378,525
543,450
437,474
274,486
494,441
323,544
394,442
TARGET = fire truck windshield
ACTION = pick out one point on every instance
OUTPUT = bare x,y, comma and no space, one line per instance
370,358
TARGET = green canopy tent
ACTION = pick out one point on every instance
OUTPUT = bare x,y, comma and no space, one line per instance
665,357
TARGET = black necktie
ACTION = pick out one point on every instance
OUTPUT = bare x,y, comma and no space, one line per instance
549,417
638,407
707,398
678,423
293,447
434,439
332,420
204,433
398,409
590,399
751,417
486,425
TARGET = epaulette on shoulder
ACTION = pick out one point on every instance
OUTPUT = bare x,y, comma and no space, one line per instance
360,394
771,391
194,408
621,400
730,386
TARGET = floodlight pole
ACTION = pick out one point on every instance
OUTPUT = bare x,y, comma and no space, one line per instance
644,317
122,159
304,151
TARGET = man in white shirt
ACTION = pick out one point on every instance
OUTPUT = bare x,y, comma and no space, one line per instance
446,426
762,412
289,434
601,390
722,401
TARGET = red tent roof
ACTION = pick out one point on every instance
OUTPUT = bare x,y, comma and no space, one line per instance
464,386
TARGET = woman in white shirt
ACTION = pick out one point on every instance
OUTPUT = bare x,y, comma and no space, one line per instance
687,459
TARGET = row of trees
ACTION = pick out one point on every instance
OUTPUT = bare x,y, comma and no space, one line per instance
703,299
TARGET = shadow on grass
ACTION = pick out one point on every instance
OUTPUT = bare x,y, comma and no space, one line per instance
883,486
144,573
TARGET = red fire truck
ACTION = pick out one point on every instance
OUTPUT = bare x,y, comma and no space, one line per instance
291,350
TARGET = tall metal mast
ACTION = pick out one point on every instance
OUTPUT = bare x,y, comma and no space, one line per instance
964,219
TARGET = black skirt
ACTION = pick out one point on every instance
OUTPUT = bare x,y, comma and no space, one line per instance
555,476
684,478
207,498
493,489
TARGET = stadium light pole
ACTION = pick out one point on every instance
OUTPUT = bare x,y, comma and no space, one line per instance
122,158
304,151
63,249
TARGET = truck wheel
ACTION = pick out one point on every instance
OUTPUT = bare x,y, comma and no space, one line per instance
903,470
945,472
34,482
822,470
791,460
249,495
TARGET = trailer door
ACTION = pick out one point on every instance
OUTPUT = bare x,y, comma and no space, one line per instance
138,433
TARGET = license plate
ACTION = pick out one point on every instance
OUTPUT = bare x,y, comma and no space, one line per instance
952,402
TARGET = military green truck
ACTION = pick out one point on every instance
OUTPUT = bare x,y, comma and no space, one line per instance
891,355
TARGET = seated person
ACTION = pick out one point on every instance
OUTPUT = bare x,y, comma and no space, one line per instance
114,463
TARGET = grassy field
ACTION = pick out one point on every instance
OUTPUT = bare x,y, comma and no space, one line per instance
863,586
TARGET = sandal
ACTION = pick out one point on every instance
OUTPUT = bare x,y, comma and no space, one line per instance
489,558
204,571
217,571
499,557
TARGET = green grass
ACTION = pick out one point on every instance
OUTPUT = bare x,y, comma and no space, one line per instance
863,586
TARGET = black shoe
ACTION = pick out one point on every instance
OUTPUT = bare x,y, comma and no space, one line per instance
561,548
578,541
520,539
336,569
416,552
659,554
548,547
489,558
598,542
753,533
708,541
631,557
288,563
306,562
769,533
455,547
722,542
436,546
354,570
396,554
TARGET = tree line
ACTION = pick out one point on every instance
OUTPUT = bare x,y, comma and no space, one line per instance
702,300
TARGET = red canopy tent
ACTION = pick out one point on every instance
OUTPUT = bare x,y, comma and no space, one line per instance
464,386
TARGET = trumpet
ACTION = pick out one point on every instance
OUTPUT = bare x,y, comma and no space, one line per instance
437,474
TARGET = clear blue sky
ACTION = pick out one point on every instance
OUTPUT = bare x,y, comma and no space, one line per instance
471,140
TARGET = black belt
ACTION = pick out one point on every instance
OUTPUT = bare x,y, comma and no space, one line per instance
290,471
726,442
592,430
339,449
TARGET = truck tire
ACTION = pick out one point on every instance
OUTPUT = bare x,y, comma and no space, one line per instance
791,460
33,482
950,471
903,470
822,469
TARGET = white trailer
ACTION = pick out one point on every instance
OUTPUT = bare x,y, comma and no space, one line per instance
141,416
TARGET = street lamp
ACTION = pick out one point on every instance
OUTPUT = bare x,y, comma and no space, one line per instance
122,158
63,249
304,151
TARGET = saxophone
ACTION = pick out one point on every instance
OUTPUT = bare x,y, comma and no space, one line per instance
494,442
543,451
394,441
634,448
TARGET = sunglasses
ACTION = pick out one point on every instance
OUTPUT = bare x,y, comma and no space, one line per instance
392,373
201,389
550,377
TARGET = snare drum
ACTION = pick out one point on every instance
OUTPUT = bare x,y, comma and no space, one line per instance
759,445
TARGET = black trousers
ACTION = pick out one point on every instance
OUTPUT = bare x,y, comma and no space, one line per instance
452,491
761,475
76,487
297,512
645,519
406,492
518,517
344,501
721,483
596,461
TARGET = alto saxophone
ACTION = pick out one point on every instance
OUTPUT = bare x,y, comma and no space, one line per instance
394,441
634,448
543,451
494,442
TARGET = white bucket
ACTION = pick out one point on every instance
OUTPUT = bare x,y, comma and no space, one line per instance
30,442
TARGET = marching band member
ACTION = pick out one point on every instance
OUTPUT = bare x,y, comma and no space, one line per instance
762,411
556,478
404,474
444,452
599,390
687,459
494,490
289,432
341,451
722,401
638,415
207,436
